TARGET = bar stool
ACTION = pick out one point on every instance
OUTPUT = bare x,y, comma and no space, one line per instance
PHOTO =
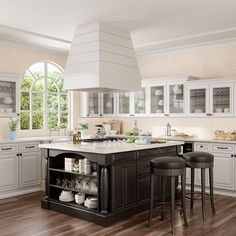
172,167
202,160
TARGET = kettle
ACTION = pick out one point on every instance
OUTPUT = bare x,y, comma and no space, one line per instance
100,132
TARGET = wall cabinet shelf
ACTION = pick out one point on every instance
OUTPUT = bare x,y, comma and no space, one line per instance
9,95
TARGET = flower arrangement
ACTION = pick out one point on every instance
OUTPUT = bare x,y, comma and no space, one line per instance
13,123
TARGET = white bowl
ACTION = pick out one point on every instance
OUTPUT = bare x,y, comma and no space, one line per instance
158,92
219,110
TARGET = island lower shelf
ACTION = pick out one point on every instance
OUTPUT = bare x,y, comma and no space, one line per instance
120,182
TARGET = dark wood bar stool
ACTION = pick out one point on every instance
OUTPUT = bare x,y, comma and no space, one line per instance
202,160
172,167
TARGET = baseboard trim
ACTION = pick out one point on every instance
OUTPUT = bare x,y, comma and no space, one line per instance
19,192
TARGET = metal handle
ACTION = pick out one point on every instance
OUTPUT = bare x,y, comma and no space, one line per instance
5,149
222,148
29,147
131,114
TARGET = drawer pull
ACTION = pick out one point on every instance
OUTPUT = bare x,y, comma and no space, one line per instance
222,148
6,149
29,147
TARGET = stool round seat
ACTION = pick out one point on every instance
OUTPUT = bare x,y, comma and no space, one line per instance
200,157
168,162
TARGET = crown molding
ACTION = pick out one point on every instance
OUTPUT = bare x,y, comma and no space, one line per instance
214,38
20,38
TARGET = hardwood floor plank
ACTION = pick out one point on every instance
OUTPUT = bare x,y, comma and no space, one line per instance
23,216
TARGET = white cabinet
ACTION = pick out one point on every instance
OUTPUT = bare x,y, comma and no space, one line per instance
9,95
124,101
210,99
223,164
20,168
166,98
138,103
8,172
29,164
30,169
97,104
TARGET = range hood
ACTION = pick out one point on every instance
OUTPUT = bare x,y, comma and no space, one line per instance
101,59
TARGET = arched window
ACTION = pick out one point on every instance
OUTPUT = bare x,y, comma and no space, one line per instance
44,104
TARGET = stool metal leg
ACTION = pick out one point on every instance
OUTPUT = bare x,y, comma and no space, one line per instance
183,185
173,204
203,192
151,200
211,190
192,188
163,181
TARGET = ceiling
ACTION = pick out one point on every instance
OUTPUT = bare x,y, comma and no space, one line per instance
151,22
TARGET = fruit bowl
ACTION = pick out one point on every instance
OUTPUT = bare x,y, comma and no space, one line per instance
145,138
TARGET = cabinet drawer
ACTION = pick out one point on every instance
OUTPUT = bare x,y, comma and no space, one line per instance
8,148
223,148
165,151
124,157
146,154
29,147
201,147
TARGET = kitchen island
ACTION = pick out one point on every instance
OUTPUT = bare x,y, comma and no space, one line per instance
120,178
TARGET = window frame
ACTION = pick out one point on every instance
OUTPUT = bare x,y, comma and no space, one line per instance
45,110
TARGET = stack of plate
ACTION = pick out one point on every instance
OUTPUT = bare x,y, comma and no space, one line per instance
66,196
91,202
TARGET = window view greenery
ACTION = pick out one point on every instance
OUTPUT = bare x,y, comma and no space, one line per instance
43,101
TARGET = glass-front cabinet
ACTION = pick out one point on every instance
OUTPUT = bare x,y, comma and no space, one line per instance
108,104
123,104
221,97
157,100
175,99
139,101
9,95
198,100
93,104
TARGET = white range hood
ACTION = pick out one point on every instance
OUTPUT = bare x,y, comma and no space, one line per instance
101,59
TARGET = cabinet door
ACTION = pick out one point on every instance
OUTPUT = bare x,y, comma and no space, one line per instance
176,99
93,103
221,99
223,171
9,92
108,104
8,172
143,188
157,97
139,103
117,187
30,169
123,104
197,100
130,184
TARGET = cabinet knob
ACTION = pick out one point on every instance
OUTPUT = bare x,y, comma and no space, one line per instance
100,114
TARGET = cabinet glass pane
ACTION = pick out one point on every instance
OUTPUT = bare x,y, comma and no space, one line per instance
123,103
221,100
176,98
198,100
108,103
157,99
7,97
139,102
93,103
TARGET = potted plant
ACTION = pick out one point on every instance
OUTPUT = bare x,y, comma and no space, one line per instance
82,127
13,123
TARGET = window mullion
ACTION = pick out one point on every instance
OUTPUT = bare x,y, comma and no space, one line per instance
45,96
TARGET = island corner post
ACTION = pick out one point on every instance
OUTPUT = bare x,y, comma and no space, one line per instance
123,180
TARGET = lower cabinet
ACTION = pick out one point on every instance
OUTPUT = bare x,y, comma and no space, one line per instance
123,185
8,172
30,169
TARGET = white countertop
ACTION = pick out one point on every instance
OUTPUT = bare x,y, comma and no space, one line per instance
106,148
35,139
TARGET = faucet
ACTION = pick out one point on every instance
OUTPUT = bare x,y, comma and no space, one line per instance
168,129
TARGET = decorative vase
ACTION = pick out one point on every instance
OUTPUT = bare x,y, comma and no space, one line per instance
12,135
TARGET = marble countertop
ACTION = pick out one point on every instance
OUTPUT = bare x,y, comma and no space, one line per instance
106,148
36,139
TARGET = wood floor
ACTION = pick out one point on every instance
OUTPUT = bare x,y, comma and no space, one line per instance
22,216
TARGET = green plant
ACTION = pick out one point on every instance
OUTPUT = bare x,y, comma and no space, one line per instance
83,126
13,123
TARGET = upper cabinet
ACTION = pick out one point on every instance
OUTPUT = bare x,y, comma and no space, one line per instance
97,104
167,98
210,99
9,95
175,97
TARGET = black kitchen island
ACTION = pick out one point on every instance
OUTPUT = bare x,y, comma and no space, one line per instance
121,172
